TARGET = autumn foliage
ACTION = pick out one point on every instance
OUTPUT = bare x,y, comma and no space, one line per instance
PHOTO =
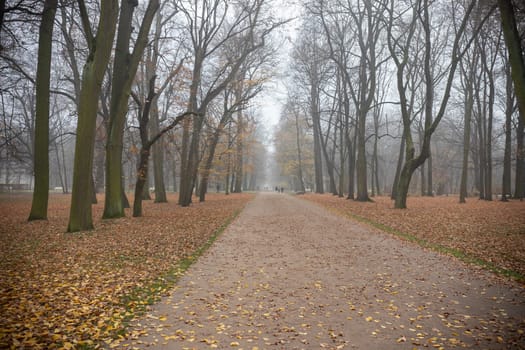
62,290
490,232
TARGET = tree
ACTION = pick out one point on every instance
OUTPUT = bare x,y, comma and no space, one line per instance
41,152
310,70
413,161
468,75
152,60
293,144
519,188
366,25
513,41
124,70
209,30
236,98
299,152
147,143
100,46
509,111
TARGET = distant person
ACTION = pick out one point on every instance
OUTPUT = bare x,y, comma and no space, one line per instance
282,189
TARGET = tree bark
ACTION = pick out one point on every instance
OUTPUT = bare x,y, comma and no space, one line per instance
399,167
430,187
124,71
314,110
513,41
362,183
203,188
519,187
142,176
41,149
351,142
80,217
469,105
299,154
240,144
509,109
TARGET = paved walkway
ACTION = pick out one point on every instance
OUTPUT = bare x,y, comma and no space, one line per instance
288,274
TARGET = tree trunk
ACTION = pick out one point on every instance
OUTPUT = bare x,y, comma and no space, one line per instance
118,110
340,192
174,169
124,71
146,195
318,160
124,198
513,41
299,156
158,159
99,165
65,186
423,179
469,105
184,178
362,184
190,143
519,188
329,161
203,188
239,150
481,151
430,186
399,167
142,176
509,109
375,158
362,110
351,166
41,149
488,138
80,217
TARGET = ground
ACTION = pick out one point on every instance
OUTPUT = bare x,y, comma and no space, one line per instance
62,290
491,231
286,274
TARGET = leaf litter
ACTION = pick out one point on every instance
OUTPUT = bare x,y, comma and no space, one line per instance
65,291
489,231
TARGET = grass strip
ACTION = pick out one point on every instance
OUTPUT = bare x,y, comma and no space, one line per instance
461,255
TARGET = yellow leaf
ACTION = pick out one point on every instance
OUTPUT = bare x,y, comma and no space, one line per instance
67,346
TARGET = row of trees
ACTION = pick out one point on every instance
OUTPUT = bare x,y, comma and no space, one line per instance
437,81
137,79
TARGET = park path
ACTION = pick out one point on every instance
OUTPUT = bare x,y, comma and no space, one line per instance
288,274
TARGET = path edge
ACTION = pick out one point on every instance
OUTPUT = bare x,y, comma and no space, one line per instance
438,248
136,303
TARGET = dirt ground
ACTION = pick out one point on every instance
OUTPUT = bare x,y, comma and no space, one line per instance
288,274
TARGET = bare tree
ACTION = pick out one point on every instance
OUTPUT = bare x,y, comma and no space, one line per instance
124,70
413,161
209,30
